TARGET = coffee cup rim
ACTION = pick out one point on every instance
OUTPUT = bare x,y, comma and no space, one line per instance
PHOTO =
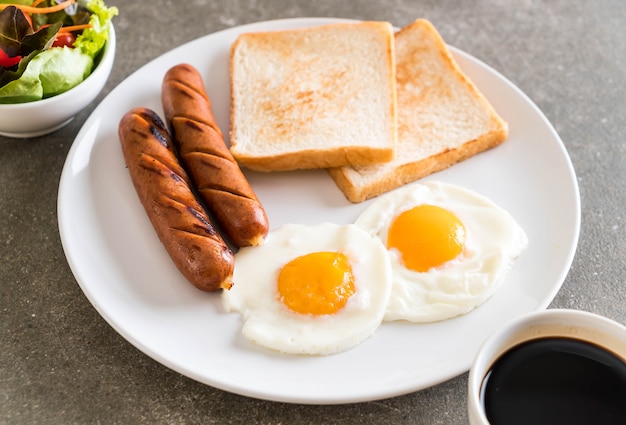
576,324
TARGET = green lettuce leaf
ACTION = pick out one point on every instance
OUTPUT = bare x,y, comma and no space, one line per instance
92,40
49,73
63,69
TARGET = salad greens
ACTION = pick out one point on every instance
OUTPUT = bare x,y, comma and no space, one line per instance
49,46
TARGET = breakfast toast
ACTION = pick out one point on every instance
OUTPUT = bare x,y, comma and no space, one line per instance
314,97
442,117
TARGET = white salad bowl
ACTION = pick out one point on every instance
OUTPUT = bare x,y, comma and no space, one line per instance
33,119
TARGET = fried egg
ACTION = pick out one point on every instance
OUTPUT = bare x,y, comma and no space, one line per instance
450,248
311,289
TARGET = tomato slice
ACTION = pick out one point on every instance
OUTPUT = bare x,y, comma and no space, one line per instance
64,39
8,62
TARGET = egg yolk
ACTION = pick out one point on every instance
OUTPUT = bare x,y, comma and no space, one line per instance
426,236
316,283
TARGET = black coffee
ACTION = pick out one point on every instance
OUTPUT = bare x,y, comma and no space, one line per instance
556,381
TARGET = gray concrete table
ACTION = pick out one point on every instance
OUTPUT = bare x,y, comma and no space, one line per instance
61,363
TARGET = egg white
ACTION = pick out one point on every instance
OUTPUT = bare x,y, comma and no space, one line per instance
269,323
493,240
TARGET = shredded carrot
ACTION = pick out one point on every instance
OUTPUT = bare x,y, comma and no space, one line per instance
72,28
36,3
35,10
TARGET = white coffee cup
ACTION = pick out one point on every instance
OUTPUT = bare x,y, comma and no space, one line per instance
573,324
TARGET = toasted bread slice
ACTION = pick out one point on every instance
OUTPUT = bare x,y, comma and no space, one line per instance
314,97
442,117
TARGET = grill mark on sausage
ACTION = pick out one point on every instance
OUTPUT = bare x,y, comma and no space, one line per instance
192,93
157,166
140,133
156,125
159,136
214,185
201,128
151,165
208,227
193,124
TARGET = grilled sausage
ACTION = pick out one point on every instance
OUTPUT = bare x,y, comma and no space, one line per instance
164,189
220,182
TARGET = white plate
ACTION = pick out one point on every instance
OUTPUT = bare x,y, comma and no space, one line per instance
128,277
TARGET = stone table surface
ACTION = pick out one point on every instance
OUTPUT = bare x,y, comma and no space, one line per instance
61,363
